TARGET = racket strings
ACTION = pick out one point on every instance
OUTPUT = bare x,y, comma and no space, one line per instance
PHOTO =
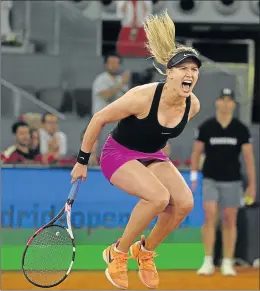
49,256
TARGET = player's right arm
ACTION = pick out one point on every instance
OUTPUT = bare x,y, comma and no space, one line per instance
133,102
130,103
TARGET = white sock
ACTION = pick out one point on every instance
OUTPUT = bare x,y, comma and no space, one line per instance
118,251
144,249
227,261
208,260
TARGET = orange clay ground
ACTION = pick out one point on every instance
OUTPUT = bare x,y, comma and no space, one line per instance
247,279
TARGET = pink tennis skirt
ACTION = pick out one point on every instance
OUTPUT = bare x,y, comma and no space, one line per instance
114,155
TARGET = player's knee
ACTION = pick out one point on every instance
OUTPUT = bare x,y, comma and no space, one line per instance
160,199
187,203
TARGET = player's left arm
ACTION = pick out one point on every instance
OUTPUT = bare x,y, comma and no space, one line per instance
195,106
248,155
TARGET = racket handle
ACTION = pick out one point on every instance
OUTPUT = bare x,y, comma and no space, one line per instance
74,191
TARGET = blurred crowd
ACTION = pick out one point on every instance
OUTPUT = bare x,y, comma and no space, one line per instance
37,140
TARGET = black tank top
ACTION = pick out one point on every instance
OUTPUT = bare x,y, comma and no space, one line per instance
146,134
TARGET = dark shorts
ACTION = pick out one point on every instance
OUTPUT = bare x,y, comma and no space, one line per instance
114,155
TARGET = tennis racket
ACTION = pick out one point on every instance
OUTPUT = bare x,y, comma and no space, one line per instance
50,253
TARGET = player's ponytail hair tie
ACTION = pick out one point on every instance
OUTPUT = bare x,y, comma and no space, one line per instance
83,158
160,34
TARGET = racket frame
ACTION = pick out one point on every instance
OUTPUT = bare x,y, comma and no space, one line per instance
72,259
66,208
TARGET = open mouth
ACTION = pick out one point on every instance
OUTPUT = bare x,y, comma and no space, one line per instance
186,85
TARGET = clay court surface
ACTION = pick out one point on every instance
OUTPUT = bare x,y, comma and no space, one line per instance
247,279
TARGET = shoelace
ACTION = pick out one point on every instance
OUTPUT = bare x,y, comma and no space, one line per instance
147,261
121,262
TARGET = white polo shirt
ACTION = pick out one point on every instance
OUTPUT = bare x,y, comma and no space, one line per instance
45,138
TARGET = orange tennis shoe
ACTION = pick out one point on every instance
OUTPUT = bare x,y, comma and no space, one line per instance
116,271
145,260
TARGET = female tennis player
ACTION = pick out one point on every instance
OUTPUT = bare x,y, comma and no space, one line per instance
132,157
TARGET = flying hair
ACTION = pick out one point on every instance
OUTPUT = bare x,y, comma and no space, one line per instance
160,34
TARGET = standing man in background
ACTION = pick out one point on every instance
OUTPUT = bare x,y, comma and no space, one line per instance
222,138
107,87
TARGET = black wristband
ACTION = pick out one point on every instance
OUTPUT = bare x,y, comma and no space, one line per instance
83,157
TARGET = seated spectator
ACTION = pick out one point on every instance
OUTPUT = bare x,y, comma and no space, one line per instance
52,140
20,152
34,121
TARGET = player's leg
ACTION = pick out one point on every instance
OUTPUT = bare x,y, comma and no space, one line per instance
230,200
210,206
181,203
137,180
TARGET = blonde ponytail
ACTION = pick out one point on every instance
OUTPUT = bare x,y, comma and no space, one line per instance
160,33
